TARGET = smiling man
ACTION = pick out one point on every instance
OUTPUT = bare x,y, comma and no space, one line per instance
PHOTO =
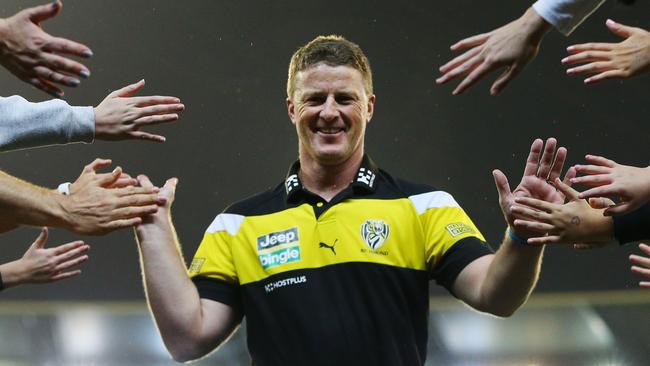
332,266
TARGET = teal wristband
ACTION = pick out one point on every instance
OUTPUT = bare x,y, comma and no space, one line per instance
516,239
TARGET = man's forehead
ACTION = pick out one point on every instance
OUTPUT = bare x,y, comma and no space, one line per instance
321,75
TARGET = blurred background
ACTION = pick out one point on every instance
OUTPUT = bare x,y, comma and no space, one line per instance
227,61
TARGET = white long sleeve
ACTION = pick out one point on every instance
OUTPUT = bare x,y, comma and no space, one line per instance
566,15
24,124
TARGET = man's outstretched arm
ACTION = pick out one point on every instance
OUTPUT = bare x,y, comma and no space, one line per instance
501,283
509,48
190,327
92,208
120,116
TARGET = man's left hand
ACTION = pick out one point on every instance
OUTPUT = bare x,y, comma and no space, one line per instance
38,58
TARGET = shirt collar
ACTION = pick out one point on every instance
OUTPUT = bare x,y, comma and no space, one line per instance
365,179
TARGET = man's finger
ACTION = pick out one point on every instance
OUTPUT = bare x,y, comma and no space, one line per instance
502,81
645,248
160,109
558,164
501,182
566,190
61,249
586,56
155,120
141,135
67,47
592,169
145,182
97,164
65,65
534,226
600,191
619,29
470,41
477,74
45,73
128,90
592,46
153,100
533,157
599,160
41,13
609,74
120,224
64,275
41,239
543,240
570,174
536,204
546,161
591,68
110,178
459,60
462,70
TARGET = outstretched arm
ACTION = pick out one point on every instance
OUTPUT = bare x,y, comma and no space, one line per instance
508,48
628,58
190,326
93,208
38,58
44,265
501,283
120,116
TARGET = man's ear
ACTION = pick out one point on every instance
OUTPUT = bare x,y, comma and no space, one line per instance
291,111
371,106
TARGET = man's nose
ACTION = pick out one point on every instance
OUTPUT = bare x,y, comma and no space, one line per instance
330,109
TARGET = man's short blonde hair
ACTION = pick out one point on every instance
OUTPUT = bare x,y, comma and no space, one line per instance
331,50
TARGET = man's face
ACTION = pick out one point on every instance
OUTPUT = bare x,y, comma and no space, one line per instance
330,109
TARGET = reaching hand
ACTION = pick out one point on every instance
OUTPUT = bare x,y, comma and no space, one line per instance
535,181
510,47
89,175
573,222
612,60
641,264
168,193
37,57
610,179
44,265
121,115
96,207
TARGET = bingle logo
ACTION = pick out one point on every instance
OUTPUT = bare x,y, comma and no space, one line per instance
374,233
277,238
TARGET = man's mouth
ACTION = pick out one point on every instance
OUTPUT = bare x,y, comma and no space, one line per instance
330,130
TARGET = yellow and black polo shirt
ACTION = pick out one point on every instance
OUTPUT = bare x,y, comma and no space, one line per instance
343,282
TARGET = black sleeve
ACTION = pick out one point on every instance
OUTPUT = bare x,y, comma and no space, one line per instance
633,226
220,291
464,252
2,285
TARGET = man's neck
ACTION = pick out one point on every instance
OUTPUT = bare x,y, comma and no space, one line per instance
328,180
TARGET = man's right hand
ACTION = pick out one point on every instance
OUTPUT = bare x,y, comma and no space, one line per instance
38,58
166,193
95,207
510,48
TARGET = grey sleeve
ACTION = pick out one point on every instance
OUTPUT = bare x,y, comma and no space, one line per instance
566,15
24,124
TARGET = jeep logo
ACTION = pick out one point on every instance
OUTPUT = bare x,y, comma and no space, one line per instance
277,238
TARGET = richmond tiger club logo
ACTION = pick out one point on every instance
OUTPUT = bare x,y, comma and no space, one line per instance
374,233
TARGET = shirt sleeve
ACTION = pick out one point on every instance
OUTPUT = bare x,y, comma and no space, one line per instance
212,269
566,15
633,226
452,241
24,124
